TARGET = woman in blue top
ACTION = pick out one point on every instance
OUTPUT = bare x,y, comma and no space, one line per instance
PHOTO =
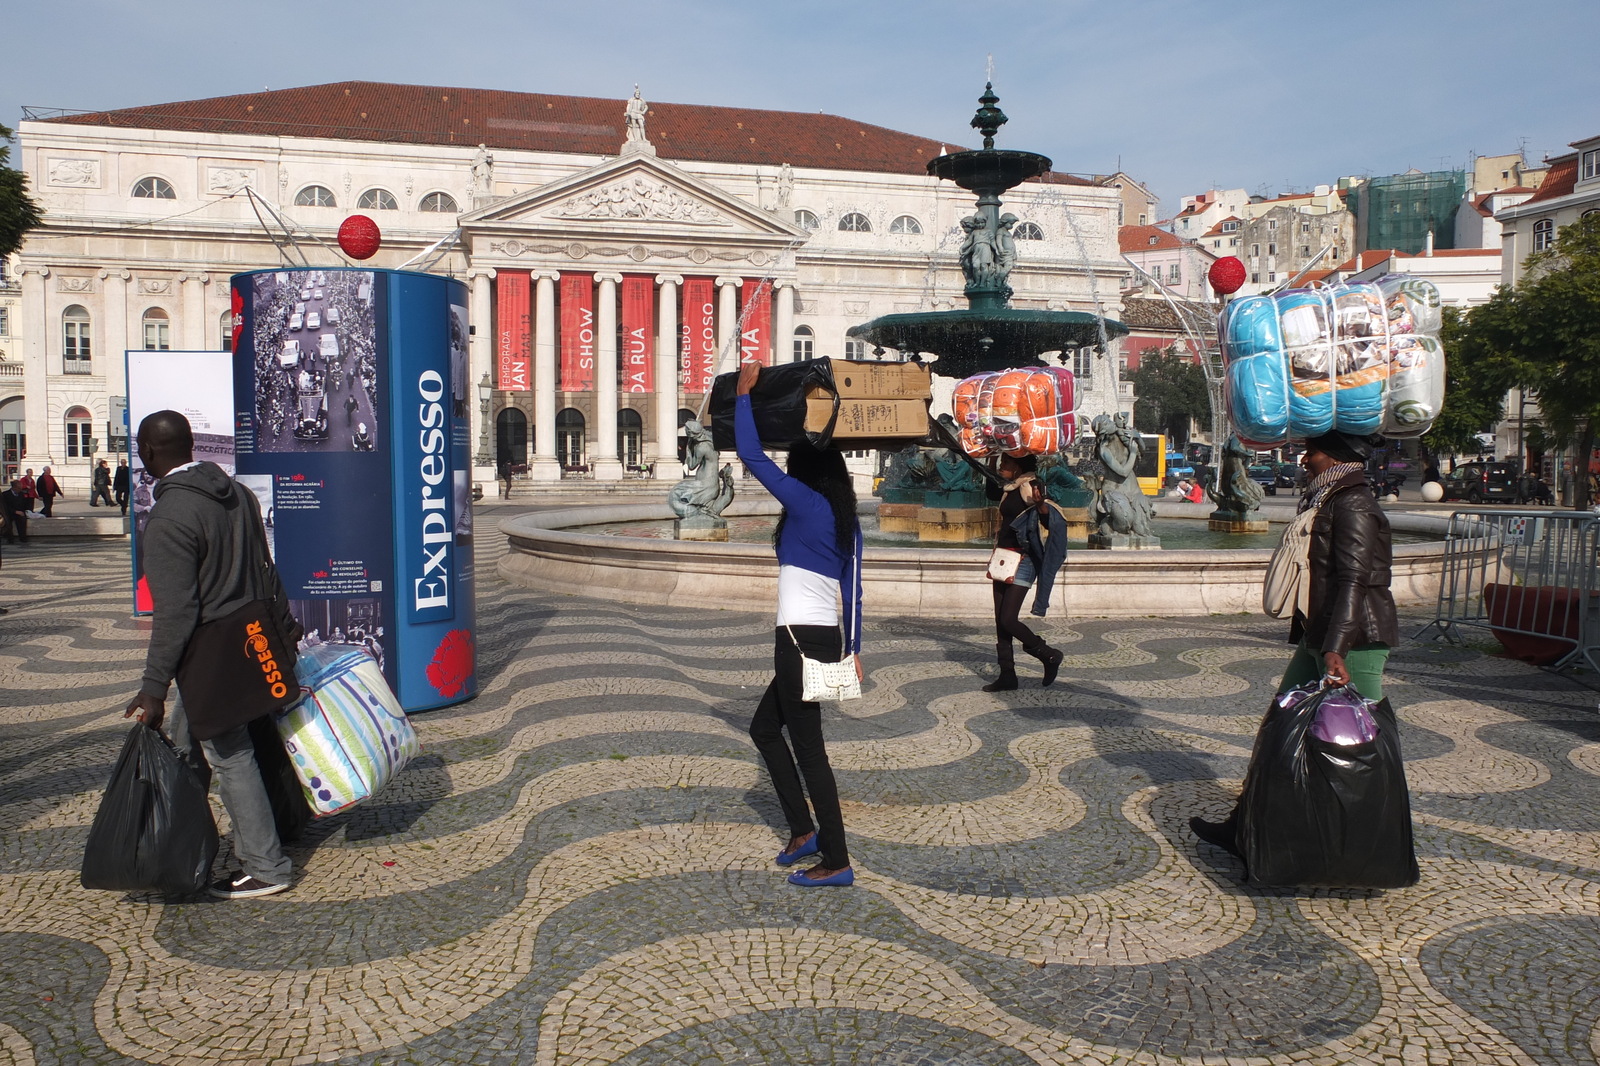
818,541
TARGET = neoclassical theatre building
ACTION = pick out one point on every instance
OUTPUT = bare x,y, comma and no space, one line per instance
618,253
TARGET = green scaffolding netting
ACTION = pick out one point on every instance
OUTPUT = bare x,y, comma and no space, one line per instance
1397,212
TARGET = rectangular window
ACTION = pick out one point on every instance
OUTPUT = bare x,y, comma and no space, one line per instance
1272,223
227,337
1255,249
804,349
1255,279
1234,243
1591,165
1272,275
1305,249
5,322
1174,273
1083,363
77,440
855,349
75,349
157,337
1272,249
1305,227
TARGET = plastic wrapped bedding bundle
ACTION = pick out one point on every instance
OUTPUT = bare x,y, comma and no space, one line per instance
1027,411
1361,359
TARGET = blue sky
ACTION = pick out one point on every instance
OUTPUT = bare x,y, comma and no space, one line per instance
1260,95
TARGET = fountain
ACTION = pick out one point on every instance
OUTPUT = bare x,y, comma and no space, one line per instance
551,552
990,334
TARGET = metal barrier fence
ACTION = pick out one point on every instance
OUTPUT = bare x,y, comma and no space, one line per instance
1530,576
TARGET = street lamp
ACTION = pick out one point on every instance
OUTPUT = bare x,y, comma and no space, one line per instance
485,398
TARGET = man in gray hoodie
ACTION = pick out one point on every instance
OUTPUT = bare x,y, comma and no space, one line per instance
200,550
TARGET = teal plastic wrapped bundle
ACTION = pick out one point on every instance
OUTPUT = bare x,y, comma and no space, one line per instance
348,735
1361,359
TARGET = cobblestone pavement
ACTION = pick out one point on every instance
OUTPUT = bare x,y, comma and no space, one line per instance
578,869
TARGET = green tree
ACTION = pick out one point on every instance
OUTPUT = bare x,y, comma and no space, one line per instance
18,212
1171,390
1476,380
1544,336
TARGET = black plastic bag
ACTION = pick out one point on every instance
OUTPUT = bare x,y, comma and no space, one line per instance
1314,813
778,402
291,812
154,831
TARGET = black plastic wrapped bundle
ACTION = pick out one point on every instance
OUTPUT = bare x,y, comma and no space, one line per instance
778,402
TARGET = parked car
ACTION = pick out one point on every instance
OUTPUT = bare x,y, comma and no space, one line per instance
1265,475
1289,475
1481,482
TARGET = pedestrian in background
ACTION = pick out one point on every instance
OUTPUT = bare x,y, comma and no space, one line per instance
119,485
1034,536
17,507
100,485
49,488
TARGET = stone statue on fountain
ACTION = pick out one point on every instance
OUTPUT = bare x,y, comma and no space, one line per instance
699,499
1122,511
1235,495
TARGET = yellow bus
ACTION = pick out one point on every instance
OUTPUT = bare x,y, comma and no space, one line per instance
1152,465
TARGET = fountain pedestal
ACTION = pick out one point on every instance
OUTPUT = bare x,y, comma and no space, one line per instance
699,527
1078,524
957,524
1236,522
1121,542
898,517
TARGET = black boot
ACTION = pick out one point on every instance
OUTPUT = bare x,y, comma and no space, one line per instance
1008,669
1222,834
1050,657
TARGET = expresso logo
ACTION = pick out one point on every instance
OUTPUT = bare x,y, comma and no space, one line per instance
259,648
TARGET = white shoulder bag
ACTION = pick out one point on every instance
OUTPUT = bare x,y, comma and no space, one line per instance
1287,587
832,681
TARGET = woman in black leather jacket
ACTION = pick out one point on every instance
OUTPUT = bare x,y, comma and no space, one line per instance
1350,623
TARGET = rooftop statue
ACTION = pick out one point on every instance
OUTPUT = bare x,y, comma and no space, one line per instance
633,117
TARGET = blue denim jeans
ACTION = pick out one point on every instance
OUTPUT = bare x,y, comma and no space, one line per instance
232,757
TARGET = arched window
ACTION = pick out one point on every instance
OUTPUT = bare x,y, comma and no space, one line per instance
378,200
157,330
154,189
1544,234
441,202
805,344
511,440
854,349
630,436
225,327
315,196
569,438
806,220
855,222
75,340
79,423
1028,231
905,224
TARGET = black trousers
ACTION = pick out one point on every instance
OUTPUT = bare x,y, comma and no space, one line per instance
780,707
1008,624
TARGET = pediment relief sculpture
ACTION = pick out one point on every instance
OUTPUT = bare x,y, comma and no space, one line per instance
638,197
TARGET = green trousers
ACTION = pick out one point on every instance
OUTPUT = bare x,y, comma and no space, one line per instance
1365,663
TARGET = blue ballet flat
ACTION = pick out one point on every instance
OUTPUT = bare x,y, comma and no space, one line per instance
844,877
788,858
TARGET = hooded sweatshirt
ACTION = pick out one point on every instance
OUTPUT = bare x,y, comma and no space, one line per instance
203,548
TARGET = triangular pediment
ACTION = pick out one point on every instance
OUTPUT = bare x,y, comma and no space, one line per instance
634,191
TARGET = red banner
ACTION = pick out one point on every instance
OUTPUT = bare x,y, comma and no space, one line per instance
638,333
755,341
577,332
512,335
699,353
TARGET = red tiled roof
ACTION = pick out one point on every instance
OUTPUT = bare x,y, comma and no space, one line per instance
539,122
1313,276
1481,203
1137,238
1559,182
1217,229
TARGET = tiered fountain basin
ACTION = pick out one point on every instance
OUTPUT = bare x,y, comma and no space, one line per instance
552,552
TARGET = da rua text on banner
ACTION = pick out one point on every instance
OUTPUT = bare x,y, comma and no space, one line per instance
638,333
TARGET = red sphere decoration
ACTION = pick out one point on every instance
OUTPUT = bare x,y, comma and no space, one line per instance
359,237
1227,274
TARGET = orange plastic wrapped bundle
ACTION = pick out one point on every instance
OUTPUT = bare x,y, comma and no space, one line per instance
1026,411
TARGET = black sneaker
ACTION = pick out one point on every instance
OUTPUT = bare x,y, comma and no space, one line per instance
1217,834
243,886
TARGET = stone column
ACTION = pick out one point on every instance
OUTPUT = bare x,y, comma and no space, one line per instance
111,336
782,323
667,345
727,324
192,306
480,366
545,465
603,452
36,331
